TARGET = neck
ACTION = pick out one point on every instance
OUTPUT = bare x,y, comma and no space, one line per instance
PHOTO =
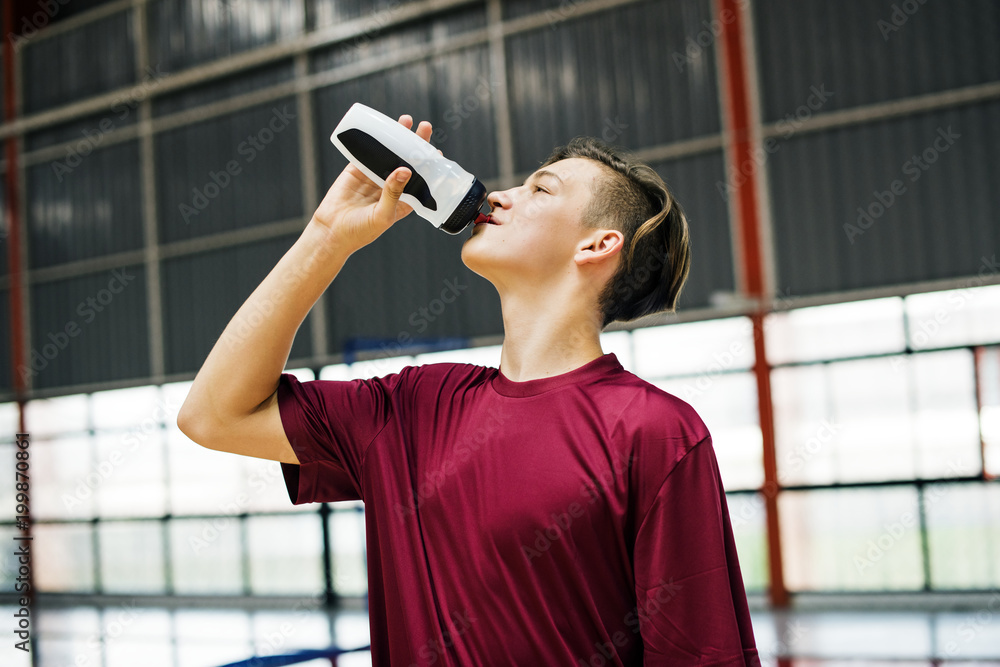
547,332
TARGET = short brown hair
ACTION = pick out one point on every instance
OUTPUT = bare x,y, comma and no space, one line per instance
634,200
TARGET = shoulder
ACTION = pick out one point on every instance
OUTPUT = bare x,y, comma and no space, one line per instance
652,413
444,376
656,429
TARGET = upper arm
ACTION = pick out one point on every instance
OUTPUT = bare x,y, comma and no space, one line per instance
259,434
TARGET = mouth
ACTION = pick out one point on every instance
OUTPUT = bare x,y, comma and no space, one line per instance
486,220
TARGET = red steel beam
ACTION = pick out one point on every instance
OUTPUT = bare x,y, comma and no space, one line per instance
14,268
740,144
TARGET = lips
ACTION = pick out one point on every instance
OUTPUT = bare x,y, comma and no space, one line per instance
486,220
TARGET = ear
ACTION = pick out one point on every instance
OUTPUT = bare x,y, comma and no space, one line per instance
599,246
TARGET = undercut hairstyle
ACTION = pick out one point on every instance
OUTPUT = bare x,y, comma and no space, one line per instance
656,254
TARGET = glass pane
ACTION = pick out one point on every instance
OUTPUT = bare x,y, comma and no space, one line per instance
52,416
728,406
122,408
207,556
335,372
620,343
173,396
64,478
947,425
988,362
347,541
802,406
287,631
851,539
132,557
748,516
963,535
212,637
69,636
895,417
952,318
302,374
840,330
137,636
846,421
63,558
480,356
351,629
135,484
380,366
8,479
692,348
9,565
266,490
9,421
286,554
204,481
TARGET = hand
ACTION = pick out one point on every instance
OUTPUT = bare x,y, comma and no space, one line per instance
356,211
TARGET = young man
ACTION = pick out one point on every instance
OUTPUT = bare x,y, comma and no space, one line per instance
558,510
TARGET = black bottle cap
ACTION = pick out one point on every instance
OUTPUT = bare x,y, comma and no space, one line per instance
467,209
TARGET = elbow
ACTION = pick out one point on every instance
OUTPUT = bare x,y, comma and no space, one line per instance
193,425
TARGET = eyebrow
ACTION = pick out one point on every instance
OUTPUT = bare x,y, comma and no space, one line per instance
546,172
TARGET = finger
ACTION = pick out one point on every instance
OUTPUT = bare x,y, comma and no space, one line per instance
385,209
424,130
406,120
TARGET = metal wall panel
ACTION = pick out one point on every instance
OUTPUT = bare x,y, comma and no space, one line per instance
938,221
96,57
221,89
202,292
323,13
380,41
410,284
93,209
86,133
107,310
386,283
869,51
229,172
183,33
454,92
621,75
693,181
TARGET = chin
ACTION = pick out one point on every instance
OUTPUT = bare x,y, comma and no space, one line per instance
472,258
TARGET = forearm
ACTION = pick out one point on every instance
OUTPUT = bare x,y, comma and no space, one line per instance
244,365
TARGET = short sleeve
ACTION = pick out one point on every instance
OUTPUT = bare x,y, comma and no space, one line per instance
329,424
690,599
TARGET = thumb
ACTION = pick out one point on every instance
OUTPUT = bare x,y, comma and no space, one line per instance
385,209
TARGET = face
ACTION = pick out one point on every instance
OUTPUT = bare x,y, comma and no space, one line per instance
539,228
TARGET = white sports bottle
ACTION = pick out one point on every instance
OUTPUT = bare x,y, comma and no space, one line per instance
439,190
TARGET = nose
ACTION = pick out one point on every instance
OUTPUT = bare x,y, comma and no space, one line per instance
498,199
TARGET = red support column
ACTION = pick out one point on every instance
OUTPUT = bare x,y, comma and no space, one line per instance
14,267
740,144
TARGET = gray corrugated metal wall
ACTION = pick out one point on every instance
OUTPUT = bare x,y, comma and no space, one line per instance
203,292
92,210
229,172
641,74
97,57
919,219
944,215
610,75
857,50
692,181
107,312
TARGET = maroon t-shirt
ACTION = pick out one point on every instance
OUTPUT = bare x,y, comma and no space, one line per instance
571,520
